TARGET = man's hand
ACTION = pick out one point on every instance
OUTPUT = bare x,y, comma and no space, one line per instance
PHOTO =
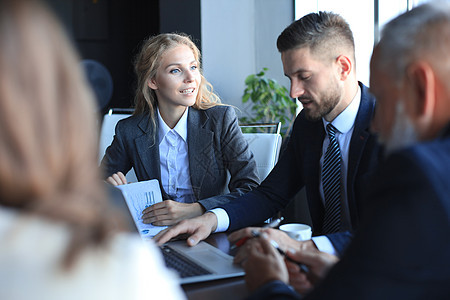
198,229
116,179
319,263
283,240
263,263
170,212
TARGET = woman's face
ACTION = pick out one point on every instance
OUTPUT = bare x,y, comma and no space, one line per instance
177,78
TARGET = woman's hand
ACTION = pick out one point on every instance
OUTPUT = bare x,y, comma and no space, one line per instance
116,179
170,212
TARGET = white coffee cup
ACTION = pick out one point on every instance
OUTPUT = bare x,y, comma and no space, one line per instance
299,232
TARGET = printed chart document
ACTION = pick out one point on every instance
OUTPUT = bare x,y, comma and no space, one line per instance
140,195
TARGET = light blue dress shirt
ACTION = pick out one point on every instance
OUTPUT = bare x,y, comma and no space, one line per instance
174,160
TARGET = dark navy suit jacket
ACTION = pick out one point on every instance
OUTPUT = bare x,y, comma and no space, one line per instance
402,248
215,145
299,166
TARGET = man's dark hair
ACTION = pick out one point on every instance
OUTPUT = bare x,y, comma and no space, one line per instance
321,32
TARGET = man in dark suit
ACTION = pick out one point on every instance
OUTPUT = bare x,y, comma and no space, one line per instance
401,250
318,57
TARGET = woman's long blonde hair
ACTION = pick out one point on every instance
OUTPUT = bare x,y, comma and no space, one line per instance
48,134
147,63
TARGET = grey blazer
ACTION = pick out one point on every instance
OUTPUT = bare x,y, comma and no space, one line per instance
215,144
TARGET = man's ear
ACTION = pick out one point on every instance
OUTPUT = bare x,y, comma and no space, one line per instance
345,66
152,84
421,81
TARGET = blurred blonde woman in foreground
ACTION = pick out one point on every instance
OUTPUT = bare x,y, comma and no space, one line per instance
58,236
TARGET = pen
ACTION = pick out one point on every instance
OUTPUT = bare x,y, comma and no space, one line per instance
302,267
272,224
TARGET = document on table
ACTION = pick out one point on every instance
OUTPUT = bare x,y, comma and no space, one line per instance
140,195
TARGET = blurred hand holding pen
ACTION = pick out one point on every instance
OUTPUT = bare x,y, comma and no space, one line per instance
255,233
274,224
302,267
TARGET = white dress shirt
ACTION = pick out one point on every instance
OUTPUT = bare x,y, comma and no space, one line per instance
174,160
344,123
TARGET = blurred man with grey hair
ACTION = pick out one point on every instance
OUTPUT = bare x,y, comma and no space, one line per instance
402,248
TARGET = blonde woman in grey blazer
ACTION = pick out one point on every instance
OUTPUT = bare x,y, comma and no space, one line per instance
172,93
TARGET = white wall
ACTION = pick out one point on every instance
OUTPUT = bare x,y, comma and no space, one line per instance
239,39
360,16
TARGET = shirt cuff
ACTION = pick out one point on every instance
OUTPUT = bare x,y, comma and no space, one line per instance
223,221
324,244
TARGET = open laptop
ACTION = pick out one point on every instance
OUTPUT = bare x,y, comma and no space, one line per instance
209,262
203,262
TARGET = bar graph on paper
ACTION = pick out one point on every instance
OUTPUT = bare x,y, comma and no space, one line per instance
139,196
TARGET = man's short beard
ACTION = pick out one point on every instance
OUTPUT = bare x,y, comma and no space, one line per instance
329,102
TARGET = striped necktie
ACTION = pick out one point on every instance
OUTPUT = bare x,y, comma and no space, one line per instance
331,180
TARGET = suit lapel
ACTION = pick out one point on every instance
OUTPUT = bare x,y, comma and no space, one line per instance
200,148
147,147
313,153
358,143
360,134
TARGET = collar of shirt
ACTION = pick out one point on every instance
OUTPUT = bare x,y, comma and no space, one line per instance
180,128
346,119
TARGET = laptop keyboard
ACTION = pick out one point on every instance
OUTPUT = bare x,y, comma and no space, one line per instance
184,266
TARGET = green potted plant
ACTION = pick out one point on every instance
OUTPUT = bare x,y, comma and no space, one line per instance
271,102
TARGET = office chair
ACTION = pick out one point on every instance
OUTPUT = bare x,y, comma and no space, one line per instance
110,120
264,146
